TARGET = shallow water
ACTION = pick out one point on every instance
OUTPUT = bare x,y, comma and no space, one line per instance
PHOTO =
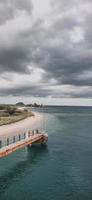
60,171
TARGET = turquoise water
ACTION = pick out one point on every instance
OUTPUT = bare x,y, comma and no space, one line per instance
60,171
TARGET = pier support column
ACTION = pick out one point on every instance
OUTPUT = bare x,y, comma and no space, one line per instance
0,144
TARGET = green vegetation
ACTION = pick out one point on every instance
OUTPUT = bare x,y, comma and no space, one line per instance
11,113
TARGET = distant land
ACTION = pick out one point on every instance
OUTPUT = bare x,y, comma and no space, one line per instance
10,113
13,113
21,104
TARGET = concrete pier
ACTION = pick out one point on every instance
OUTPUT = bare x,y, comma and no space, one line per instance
29,140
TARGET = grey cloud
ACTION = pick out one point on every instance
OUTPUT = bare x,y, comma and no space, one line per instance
20,54
63,5
9,8
64,66
23,5
15,60
52,49
38,91
35,91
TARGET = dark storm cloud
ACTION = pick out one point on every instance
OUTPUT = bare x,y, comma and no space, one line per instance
14,60
35,91
22,48
70,57
63,48
38,91
65,66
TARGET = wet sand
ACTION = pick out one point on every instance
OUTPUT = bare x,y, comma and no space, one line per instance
21,126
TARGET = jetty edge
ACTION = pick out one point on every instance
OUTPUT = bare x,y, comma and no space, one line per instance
30,138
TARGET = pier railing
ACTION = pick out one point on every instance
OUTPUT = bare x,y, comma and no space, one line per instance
11,140
29,139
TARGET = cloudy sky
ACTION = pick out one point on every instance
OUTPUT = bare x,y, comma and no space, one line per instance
46,51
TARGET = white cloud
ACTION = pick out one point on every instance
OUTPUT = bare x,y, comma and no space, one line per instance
41,8
77,35
19,80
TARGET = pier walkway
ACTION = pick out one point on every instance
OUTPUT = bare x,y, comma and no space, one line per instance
29,140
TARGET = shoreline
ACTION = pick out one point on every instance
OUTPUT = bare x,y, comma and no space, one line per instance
21,126
13,119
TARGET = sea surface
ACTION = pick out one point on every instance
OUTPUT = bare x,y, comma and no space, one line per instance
60,171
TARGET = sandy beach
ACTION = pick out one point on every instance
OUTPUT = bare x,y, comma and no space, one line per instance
21,126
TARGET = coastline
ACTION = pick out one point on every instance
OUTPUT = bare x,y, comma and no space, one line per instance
21,126
12,119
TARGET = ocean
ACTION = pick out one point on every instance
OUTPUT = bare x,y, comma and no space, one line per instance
60,171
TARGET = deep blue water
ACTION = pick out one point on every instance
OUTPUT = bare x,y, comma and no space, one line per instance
60,171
